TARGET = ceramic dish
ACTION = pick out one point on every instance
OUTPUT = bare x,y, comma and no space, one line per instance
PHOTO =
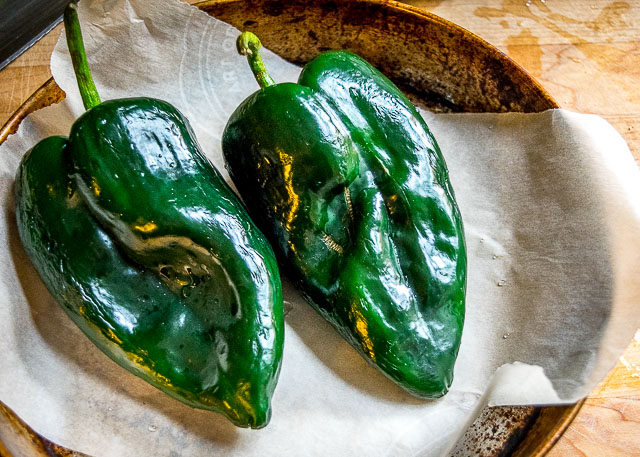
440,66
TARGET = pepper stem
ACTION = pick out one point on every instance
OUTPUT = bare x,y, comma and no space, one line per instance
88,91
248,44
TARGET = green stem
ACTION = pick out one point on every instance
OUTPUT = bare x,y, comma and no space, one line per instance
249,45
88,91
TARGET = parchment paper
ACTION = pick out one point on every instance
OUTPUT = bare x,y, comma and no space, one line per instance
551,206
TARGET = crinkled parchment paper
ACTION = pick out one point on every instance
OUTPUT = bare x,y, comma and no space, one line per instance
551,206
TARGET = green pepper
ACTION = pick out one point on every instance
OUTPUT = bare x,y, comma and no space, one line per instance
146,248
344,177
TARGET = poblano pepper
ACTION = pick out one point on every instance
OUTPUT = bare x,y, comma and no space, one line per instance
344,177
149,252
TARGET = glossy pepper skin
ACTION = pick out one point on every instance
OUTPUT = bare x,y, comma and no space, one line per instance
139,239
344,177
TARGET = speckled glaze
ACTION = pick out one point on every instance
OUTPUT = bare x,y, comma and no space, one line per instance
438,64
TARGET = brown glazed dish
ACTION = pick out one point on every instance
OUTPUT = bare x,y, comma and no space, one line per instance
440,66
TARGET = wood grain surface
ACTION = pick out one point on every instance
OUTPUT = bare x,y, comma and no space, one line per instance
587,55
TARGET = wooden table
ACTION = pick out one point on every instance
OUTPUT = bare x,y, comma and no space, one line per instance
587,55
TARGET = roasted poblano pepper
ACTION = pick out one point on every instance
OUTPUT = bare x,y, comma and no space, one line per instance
149,252
342,174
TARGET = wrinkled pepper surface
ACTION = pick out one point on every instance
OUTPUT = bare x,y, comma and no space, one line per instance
149,252
342,174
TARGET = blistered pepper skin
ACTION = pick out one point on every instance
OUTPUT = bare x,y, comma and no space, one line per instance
140,240
342,174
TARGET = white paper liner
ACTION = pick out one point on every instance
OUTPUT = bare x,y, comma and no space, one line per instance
551,207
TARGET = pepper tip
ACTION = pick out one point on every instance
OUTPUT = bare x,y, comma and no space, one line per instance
248,43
